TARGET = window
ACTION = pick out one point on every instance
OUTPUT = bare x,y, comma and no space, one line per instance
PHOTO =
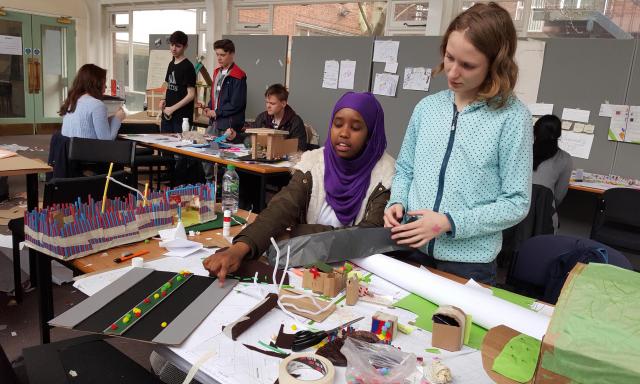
130,44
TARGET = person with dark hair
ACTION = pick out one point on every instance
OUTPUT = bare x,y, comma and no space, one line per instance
228,98
464,171
181,86
345,183
229,94
83,112
551,165
279,115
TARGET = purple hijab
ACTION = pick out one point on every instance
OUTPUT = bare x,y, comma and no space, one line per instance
346,181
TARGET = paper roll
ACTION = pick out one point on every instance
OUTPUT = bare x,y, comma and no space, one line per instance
309,360
487,311
137,262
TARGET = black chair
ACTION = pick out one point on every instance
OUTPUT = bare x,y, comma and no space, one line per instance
617,219
532,263
7,374
98,154
59,191
155,164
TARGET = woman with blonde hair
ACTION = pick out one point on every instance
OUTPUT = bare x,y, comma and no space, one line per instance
464,170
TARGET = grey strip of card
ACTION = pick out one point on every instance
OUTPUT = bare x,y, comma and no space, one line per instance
92,304
181,327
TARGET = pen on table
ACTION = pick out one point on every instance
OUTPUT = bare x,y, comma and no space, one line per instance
130,255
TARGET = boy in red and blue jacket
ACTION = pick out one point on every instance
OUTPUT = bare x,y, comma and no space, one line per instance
228,95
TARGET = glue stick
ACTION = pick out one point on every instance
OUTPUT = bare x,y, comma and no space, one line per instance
226,223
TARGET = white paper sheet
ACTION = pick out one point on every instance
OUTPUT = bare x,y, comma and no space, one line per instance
159,60
567,125
576,144
573,114
589,128
10,45
540,109
487,311
417,79
331,73
618,123
385,84
347,74
391,67
385,51
529,57
578,127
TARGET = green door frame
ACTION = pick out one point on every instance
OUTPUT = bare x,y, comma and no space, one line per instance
31,41
37,22
25,19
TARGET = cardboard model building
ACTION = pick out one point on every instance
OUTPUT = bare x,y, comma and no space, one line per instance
448,328
328,284
270,144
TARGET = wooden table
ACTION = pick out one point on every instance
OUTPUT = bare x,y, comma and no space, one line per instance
263,173
142,118
103,261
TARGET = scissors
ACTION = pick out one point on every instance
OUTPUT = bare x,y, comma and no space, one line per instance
305,339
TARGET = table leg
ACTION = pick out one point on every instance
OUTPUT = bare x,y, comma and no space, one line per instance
45,295
262,196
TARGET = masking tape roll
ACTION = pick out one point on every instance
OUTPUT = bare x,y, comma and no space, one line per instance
318,363
137,262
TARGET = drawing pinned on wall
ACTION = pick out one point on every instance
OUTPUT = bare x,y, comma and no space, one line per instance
576,144
574,114
417,78
331,73
385,84
633,125
385,51
529,57
618,124
391,67
540,109
347,74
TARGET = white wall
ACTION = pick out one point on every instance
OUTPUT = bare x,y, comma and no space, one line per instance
86,14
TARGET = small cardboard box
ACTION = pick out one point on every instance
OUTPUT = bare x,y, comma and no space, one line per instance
153,101
448,336
274,142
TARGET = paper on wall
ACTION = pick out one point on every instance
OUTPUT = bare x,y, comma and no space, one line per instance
417,79
576,144
633,125
10,45
385,51
391,67
486,310
331,74
529,57
606,110
385,84
574,114
589,128
347,74
618,123
578,127
159,59
540,109
566,125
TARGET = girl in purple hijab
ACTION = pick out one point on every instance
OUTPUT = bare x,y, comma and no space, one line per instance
344,183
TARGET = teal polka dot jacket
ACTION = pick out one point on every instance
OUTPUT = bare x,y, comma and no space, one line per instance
474,166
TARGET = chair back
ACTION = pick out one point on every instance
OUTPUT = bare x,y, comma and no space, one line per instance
121,152
67,190
7,375
621,206
532,263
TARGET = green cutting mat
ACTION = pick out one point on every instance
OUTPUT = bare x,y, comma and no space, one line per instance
215,224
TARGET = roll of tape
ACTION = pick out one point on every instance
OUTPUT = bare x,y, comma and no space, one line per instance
304,360
137,262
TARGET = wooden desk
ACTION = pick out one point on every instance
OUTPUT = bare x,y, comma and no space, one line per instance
103,261
577,187
263,173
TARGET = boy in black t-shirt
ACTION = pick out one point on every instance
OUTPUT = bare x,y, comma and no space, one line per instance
181,86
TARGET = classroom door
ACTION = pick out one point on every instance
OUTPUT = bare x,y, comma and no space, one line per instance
37,65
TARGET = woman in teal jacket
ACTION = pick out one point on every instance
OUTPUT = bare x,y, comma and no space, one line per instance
464,171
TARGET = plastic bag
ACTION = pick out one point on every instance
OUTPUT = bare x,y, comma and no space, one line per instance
376,363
